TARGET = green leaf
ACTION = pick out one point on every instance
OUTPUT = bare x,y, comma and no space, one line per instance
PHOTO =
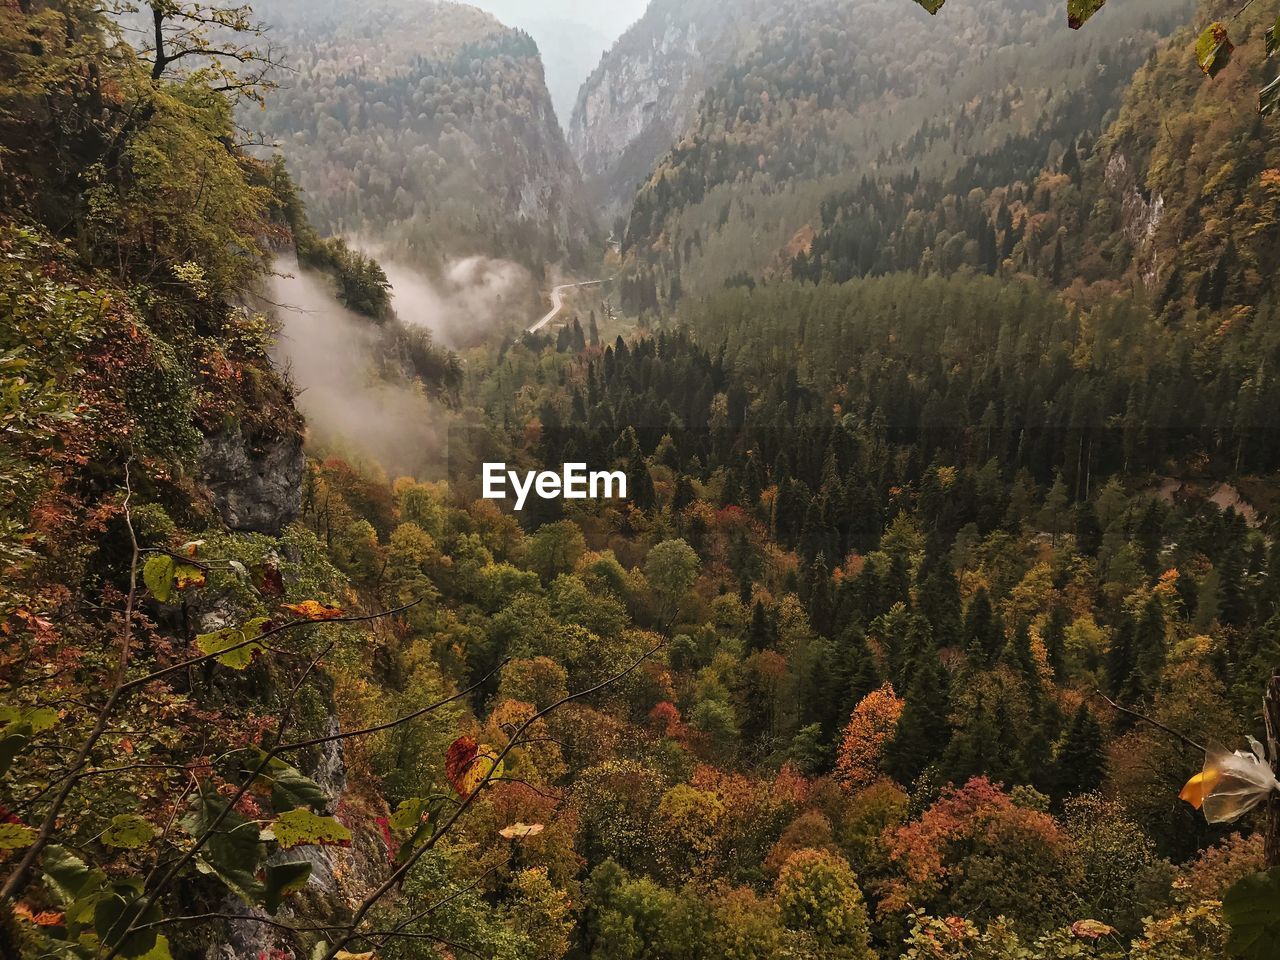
20,727
302,827
1269,98
185,575
40,719
289,788
1078,11
68,875
1213,49
1273,39
408,815
160,951
128,831
11,745
933,6
240,653
1252,910
233,852
283,879
17,836
120,909
157,574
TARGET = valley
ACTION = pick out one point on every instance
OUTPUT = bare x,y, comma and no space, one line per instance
663,481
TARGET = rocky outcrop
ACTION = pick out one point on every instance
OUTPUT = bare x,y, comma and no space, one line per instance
256,482
1140,214
645,91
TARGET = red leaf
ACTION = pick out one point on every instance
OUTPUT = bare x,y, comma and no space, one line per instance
458,760
272,582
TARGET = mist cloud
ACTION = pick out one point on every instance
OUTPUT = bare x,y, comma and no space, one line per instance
354,406
471,299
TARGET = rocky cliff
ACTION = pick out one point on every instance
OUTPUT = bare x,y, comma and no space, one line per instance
645,91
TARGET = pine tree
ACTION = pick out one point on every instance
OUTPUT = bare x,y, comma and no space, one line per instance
761,633
1088,529
983,633
1017,654
1080,758
1149,642
922,732
1055,641
1121,659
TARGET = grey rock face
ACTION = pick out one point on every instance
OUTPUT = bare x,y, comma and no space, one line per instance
645,92
1140,216
256,482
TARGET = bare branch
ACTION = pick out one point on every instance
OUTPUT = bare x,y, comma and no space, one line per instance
1143,717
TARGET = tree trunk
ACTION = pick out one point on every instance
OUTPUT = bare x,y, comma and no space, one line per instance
1271,711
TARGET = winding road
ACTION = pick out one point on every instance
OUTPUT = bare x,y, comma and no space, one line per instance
557,301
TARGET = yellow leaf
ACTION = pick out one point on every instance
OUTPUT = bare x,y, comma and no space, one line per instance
1198,787
314,610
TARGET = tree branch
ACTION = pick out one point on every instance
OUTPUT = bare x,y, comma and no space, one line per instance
1143,717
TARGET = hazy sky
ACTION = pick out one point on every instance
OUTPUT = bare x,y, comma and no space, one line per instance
571,34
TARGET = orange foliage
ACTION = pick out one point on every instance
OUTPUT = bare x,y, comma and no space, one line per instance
872,724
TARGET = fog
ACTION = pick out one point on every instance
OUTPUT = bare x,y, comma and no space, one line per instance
470,299
332,357
571,36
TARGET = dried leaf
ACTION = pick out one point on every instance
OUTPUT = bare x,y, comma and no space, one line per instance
1091,930
521,830
933,6
272,584
45,918
1213,49
314,610
1273,39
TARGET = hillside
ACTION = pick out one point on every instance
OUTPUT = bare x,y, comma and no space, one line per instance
941,563
1174,202
426,128
806,111
571,36
645,90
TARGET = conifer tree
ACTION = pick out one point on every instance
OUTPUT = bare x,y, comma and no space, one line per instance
1080,759
922,732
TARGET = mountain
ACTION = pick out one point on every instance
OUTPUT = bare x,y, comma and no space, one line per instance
425,127
1174,200
830,93
644,91
1181,196
571,36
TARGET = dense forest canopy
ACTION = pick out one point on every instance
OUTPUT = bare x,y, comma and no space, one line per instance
949,544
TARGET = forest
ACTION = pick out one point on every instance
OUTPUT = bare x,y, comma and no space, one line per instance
946,589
